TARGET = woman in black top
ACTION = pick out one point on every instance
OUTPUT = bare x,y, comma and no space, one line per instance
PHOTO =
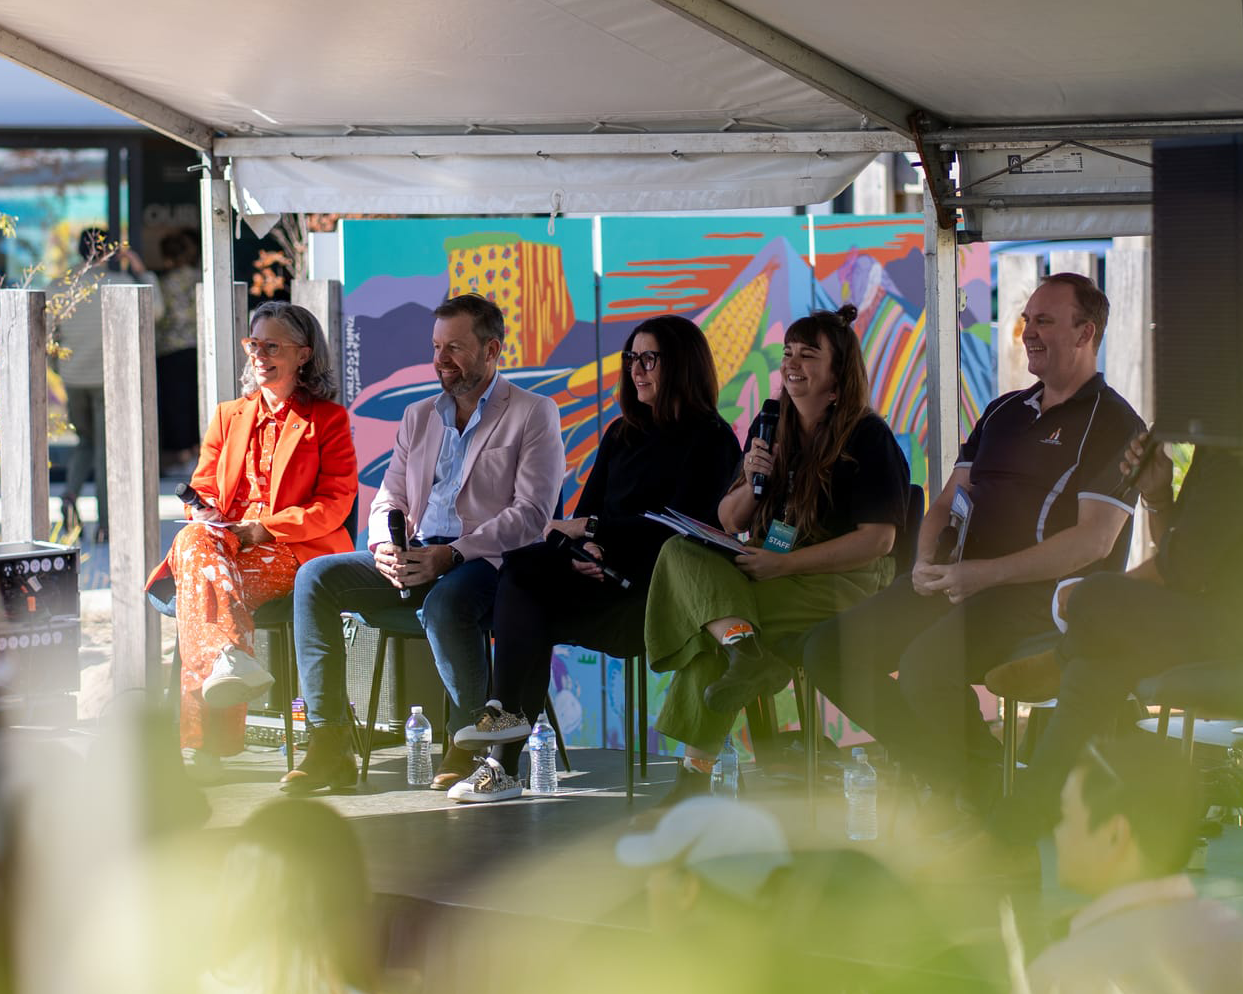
670,448
820,539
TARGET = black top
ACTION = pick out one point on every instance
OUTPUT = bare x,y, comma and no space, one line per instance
1029,470
685,466
869,484
1203,548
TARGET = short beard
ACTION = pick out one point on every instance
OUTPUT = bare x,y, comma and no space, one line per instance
465,384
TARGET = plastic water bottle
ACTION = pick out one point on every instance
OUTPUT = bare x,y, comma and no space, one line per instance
418,749
860,784
542,745
725,770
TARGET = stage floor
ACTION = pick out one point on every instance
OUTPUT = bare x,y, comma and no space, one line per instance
444,873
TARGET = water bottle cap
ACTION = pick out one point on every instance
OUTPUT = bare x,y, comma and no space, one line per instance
417,709
858,751
543,716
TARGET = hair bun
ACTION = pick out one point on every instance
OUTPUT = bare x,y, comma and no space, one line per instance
848,312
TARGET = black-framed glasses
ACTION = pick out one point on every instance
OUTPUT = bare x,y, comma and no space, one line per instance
647,360
268,346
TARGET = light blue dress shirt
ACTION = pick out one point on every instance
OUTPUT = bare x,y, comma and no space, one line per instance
441,518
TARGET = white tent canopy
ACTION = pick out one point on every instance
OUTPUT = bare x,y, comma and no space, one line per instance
589,105
797,95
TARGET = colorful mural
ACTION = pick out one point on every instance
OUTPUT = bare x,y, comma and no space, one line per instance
743,280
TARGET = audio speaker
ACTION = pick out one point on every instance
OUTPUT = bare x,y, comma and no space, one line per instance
1197,269
409,677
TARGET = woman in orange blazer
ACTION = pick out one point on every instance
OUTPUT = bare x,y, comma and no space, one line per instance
277,476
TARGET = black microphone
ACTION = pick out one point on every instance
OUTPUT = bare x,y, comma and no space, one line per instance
573,547
947,542
1145,456
765,429
397,535
188,495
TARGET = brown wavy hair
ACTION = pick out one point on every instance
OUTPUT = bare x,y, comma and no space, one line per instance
812,459
688,383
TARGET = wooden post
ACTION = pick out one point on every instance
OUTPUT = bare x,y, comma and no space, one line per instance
323,299
873,188
941,346
241,301
1083,263
1017,275
23,416
1128,344
133,480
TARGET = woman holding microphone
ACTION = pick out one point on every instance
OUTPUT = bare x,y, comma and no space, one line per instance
820,529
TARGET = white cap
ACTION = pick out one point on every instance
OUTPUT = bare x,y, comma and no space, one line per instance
733,845
417,709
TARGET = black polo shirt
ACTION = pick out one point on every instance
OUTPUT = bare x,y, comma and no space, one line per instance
1030,470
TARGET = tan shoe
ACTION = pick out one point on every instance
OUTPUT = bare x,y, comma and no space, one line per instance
329,762
1032,678
456,765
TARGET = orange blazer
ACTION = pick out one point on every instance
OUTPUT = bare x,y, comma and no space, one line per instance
314,473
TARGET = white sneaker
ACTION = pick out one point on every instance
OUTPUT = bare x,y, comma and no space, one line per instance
488,783
236,677
493,724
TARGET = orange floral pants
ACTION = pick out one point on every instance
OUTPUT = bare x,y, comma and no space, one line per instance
219,585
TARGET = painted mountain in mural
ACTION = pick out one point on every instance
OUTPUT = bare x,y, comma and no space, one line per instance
381,294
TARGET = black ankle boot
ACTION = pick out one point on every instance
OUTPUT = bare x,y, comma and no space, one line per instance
329,762
753,672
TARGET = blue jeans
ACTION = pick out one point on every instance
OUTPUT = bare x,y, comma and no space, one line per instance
456,614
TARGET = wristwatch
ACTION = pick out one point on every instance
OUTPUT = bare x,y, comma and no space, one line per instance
458,558
592,526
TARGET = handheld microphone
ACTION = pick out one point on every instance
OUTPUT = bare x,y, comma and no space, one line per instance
765,429
397,535
188,495
947,542
574,548
1145,456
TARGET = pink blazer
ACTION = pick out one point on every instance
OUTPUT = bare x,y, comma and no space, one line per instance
511,476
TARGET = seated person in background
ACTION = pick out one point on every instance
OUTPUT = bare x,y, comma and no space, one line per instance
294,913
836,495
1041,467
1180,606
1130,811
475,471
706,856
278,473
670,448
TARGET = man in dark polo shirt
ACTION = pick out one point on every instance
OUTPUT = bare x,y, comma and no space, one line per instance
1040,467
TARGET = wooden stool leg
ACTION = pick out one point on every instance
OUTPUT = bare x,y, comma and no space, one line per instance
373,703
1189,733
641,677
1009,740
811,721
1163,723
628,734
445,739
282,650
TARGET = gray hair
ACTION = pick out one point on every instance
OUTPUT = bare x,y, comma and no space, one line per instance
315,376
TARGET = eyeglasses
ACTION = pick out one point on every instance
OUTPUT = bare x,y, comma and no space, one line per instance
269,347
647,360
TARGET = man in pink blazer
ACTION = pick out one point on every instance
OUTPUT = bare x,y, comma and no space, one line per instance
475,471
